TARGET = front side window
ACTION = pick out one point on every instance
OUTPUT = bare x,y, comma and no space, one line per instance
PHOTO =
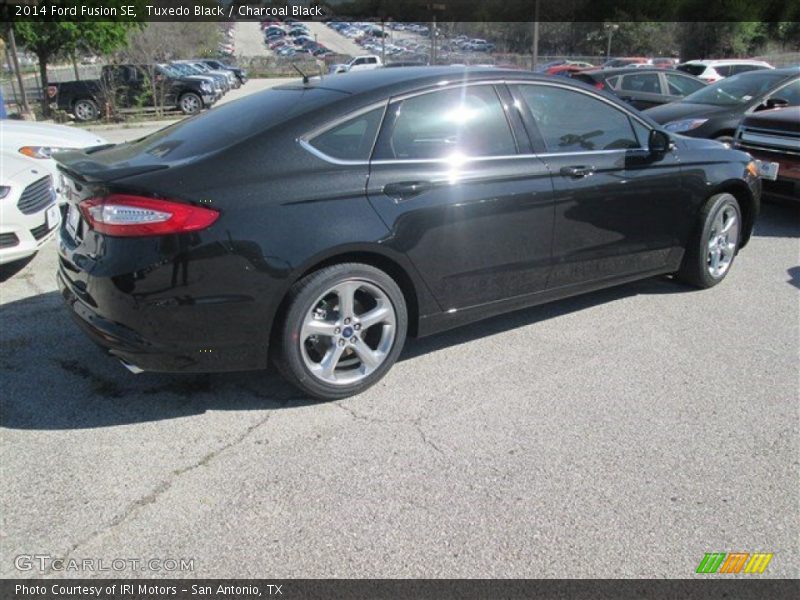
682,86
570,121
467,121
351,140
645,83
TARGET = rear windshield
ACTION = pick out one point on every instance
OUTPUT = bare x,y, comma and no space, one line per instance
221,126
692,69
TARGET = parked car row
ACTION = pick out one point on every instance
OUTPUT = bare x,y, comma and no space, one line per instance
289,38
186,85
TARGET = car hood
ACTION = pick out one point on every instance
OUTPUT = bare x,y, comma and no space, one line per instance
687,110
15,168
15,134
780,119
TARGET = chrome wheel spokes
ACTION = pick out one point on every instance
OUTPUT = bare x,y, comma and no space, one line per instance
348,332
722,240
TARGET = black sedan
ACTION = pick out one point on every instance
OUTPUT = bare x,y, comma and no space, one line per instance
642,88
716,111
319,223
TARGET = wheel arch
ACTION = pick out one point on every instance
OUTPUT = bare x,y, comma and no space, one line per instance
396,267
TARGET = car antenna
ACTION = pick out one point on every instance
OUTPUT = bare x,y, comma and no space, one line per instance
305,77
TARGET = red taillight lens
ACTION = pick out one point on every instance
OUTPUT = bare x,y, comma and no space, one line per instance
52,91
125,215
599,85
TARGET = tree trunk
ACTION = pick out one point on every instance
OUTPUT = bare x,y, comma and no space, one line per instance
75,67
43,77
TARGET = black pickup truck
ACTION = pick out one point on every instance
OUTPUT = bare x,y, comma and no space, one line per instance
126,87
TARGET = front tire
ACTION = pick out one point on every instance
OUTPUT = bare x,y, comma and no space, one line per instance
190,103
713,247
345,326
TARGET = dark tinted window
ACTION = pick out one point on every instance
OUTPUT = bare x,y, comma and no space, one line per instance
682,86
695,70
570,121
351,140
465,121
646,83
743,68
790,93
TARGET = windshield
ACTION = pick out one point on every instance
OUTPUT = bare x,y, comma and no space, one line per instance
736,90
179,69
169,71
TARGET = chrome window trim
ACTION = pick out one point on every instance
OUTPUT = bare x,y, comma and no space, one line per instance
305,139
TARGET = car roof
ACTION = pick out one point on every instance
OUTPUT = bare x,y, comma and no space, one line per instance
633,71
726,61
393,81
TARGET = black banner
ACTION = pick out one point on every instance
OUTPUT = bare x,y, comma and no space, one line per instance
428,589
767,11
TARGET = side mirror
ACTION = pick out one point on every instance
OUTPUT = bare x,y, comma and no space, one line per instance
658,142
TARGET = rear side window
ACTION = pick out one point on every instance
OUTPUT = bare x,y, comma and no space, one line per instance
645,83
743,68
571,121
351,140
723,71
695,70
466,121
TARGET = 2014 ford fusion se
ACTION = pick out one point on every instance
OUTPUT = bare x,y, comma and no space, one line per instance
318,224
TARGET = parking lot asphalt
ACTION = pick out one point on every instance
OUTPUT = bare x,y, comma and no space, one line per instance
623,433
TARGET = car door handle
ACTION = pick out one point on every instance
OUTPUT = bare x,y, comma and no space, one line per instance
402,190
577,172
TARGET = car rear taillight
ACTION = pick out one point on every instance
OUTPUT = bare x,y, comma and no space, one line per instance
52,91
599,85
126,215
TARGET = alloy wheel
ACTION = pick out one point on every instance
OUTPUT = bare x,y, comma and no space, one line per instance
722,241
348,332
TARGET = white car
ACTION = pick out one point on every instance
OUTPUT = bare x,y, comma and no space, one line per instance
29,213
714,70
39,140
361,63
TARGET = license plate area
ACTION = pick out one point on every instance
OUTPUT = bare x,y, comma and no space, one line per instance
73,222
767,170
52,216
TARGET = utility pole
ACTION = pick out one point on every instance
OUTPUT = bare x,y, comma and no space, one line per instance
383,42
535,36
26,109
433,40
611,29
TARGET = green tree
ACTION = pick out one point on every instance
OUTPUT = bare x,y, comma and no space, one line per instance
51,39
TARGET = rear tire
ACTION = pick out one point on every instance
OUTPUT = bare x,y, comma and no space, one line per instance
714,244
344,328
85,110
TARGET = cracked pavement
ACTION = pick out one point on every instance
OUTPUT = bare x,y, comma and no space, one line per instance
619,434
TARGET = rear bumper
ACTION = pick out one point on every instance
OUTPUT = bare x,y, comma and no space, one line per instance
196,353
